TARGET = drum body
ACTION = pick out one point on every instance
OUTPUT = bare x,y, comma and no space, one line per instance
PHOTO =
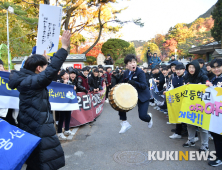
123,97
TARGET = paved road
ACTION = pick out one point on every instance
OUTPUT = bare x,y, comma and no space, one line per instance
95,145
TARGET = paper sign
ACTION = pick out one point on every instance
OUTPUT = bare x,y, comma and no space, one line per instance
48,28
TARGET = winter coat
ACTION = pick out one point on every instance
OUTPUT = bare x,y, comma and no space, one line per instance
94,83
35,115
82,84
109,62
154,61
210,75
73,82
159,76
198,77
108,75
148,57
171,61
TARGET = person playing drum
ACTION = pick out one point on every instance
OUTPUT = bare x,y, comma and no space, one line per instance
136,77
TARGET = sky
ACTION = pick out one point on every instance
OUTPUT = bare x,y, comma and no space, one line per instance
159,15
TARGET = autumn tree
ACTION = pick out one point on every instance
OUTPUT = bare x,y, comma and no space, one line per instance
115,47
216,31
22,28
153,49
90,60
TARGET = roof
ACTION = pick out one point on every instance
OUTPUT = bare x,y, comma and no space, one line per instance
217,53
203,49
70,58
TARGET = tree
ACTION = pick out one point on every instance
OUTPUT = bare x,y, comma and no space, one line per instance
216,31
90,60
153,49
129,50
22,28
93,52
119,62
115,47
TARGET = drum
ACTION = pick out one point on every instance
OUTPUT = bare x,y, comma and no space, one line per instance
123,97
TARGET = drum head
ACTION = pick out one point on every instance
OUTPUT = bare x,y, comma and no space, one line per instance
125,96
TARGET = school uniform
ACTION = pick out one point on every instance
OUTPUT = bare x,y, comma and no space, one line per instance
138,80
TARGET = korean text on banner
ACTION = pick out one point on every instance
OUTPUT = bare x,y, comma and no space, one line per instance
15,146
197,105
48,28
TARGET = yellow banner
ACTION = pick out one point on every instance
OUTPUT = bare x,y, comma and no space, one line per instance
198,105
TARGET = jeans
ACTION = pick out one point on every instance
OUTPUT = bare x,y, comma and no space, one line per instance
64,115
203,134
107,91
142,109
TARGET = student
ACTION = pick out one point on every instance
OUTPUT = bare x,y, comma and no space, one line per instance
64,115
210,74
136,77
196,76
73,77
202,65
82,84
94,81
160,80
216,65
108,76
35,115
102,80
178,81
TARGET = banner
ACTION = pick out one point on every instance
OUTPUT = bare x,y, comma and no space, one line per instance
61,96
15,146
90,107
197,105
48,28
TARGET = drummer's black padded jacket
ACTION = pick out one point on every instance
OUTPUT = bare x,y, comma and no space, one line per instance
140,84
35,113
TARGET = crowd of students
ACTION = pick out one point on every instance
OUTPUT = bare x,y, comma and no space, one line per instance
175,74
32,80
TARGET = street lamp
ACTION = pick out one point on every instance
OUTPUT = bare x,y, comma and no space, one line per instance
11,10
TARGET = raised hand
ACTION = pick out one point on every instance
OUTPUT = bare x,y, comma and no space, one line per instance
66,39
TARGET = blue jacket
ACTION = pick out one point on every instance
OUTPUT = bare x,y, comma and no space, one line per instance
140,84
155,61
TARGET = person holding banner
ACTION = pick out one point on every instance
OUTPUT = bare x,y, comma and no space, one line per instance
177,82
196,76
35,114
136,77
216,65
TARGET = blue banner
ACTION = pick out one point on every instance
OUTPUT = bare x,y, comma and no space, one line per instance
15,146
61,96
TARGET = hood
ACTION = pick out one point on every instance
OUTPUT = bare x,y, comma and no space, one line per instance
195,63
16,77
194,78
82,75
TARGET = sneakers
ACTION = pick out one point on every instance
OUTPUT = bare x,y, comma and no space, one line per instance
125,126
217,162
150,124
203,149
196,139
157,108
152,104
61,136
188,144
211,137
161,110
107,100
68,133
175,136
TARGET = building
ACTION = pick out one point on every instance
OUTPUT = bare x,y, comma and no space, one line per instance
207,49
73,60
